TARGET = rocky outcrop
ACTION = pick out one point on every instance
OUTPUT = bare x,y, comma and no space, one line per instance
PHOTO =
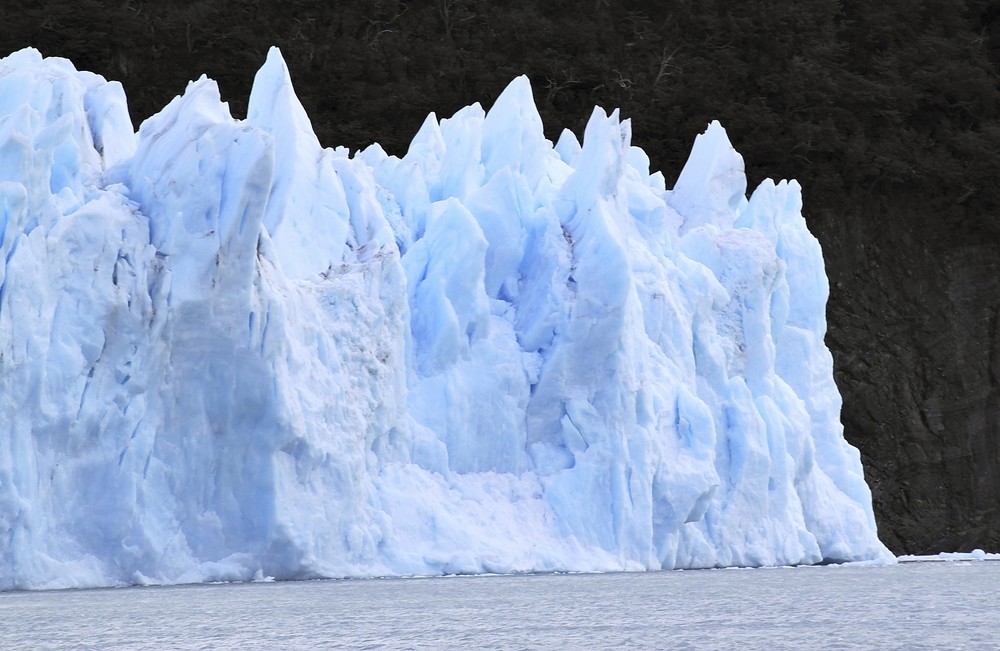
914,327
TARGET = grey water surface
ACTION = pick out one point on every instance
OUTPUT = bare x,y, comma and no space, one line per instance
907,606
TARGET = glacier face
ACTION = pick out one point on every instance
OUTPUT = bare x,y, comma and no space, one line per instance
226,352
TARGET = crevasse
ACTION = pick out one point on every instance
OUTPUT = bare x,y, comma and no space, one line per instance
227,352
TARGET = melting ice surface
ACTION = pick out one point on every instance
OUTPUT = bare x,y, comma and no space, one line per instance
227,352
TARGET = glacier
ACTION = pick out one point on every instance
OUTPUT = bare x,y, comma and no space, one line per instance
227,352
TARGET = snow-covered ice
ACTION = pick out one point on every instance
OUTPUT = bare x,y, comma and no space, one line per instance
974,555
228,353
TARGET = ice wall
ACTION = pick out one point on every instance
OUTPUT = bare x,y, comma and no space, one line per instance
227,352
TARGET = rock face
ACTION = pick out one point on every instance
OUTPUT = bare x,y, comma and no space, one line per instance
915,334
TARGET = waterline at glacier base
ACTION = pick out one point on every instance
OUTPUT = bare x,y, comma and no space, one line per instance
227,352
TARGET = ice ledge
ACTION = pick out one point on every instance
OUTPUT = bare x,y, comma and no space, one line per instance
950,557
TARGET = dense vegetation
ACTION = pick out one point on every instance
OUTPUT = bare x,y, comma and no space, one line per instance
887,112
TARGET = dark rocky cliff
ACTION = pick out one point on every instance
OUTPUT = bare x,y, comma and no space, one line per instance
914,326
888,113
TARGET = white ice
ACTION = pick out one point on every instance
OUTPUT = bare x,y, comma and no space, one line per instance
974,555
228,353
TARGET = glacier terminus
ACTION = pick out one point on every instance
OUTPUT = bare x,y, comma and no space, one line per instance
227,352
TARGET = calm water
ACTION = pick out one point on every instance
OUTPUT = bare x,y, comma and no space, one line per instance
913,606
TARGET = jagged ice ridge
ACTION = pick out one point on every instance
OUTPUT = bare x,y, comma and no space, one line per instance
227,352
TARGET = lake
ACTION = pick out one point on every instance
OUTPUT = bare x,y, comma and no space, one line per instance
906,606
